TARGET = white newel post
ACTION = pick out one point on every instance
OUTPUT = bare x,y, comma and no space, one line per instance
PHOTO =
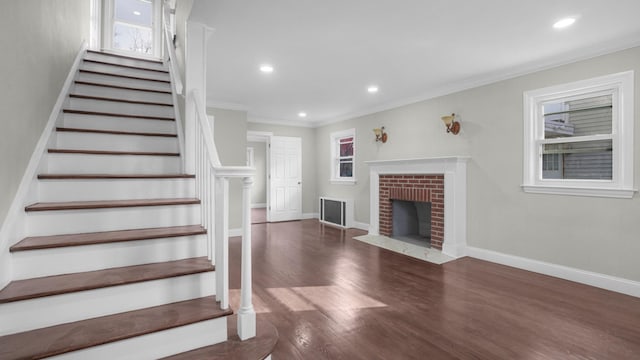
246,314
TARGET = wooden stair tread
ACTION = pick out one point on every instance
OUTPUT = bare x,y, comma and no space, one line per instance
113,176
121,87
102,113
113,132
108,152
164,71
107,204
125,56
68,283
102,98
258,347
123,76
60,339
57,241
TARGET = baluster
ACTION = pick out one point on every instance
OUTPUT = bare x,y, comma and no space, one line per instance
246,314
222,241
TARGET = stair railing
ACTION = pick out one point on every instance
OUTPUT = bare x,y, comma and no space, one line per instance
212,187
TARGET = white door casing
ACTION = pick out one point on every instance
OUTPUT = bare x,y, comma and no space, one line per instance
285,171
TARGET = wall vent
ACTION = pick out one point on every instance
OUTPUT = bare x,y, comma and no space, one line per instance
338,212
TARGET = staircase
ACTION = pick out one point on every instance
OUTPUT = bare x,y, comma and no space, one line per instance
115,262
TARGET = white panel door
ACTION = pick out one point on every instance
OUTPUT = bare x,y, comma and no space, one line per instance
285,201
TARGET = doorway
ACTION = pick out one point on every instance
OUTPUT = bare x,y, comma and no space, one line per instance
283,176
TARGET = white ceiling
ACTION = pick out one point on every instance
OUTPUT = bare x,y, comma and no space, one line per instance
326,52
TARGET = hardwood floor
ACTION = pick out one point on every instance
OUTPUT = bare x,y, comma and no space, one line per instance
332,297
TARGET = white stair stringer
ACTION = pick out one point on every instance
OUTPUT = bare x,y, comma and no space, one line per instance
102,78
124,71
114,189
159,111
42,223
158,344
118,123
52,310
62,163
115,142
122,94
66,260
105,57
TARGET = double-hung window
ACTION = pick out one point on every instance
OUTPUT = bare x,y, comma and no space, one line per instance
579,138
343,156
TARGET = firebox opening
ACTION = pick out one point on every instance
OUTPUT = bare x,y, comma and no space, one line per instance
411,222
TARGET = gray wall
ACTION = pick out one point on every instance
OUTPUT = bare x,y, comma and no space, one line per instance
230,135
39,43
259,189
595,234
309,168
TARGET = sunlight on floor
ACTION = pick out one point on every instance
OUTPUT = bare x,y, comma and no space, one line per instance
309,298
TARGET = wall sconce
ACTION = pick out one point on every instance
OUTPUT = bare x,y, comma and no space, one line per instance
452,125
380,134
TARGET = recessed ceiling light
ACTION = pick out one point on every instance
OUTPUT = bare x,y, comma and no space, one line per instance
136,13
372,89
302,114
563,23
266,68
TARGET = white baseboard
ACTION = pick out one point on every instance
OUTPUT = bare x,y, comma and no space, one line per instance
235,232
310,216
361,225
258,206
612,283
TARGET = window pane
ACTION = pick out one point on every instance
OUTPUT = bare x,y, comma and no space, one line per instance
138,12
587,116
346,168
132,38
346,149
582,160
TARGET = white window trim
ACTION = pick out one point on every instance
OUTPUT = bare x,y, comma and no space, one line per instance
334,170
621,185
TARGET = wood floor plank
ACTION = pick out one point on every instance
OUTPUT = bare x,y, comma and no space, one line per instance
378,304
62,284
107,204
57,241
59,339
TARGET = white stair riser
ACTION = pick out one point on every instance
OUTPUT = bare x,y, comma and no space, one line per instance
40,223
157,345
113,142
112,164
121,108
114,189
120,70
58,309
67,260
120,81
123,94
123,61
97,122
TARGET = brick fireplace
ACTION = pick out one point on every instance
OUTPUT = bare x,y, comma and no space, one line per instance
413,187
440,181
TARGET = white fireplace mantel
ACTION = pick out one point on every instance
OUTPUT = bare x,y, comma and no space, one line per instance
454,169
